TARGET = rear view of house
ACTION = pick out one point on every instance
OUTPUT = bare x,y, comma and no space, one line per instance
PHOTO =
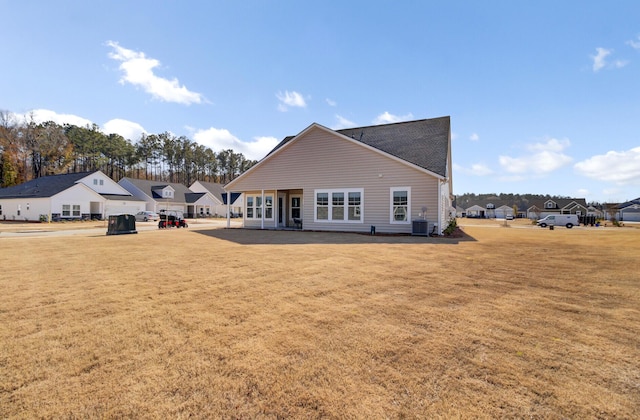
380,178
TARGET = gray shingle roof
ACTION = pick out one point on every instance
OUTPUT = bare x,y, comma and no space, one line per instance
46,186
218,191
560,203
180,194
424,143
192,197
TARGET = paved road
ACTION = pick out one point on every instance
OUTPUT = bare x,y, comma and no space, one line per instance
39,230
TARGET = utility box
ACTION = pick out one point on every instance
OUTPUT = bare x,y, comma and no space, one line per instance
121,224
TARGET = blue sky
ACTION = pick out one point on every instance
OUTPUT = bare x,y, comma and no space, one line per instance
544,96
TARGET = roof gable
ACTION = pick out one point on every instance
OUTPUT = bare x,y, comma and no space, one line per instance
46,186
155,189
422,144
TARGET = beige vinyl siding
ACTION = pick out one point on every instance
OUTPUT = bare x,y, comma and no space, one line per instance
321,160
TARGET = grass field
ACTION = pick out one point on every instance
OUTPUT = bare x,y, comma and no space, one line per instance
229,323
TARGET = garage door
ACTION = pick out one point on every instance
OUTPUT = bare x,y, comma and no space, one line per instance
109,210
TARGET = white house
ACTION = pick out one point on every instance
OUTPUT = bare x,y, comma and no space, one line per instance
220,196
83,195
629,211
160,196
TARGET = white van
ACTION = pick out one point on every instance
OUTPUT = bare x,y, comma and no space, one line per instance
568,220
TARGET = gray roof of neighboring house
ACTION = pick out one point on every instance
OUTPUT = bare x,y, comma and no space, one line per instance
181,192
218,191
120,196
424,143
192,197
560,203
43,187
629,203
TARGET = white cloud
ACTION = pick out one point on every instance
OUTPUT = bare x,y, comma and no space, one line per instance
618,167
547,157
290,100
634,43
474,137
583,192
221,139
477,169
331,102
43,115
127,129
343,123
600,60
138,71
551,145
386,118
619,63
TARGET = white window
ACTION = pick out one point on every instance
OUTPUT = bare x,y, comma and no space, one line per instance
342,206
250,207
295,208
400,205
95,181
102,182
268,207
76,210
254,207
322,206
66,210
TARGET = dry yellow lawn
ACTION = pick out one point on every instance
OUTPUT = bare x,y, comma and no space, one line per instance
229,323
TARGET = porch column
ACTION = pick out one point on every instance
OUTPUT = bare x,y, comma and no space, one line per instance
262,212
276,209
228,209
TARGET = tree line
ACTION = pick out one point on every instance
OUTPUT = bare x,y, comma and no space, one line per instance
30,150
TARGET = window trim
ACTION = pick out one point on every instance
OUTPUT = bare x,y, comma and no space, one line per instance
298,207
259,206
345,205
392,220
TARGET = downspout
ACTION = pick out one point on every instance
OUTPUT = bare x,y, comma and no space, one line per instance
439,207
228,209
262,211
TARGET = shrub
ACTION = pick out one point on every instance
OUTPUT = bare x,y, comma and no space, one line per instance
451,227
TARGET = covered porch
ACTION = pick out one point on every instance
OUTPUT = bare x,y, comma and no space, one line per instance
273,209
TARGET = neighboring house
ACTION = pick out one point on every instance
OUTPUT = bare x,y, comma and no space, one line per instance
377,177
503,211
542,209
460,212
491,210
629,211
476,211
161,196
85,195
220,196
595,212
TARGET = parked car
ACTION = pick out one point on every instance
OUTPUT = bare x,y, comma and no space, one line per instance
509,217
145,216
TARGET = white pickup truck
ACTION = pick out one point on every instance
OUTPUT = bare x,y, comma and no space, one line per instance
568,220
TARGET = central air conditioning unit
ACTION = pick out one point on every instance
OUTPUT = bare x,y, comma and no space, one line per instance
420,226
